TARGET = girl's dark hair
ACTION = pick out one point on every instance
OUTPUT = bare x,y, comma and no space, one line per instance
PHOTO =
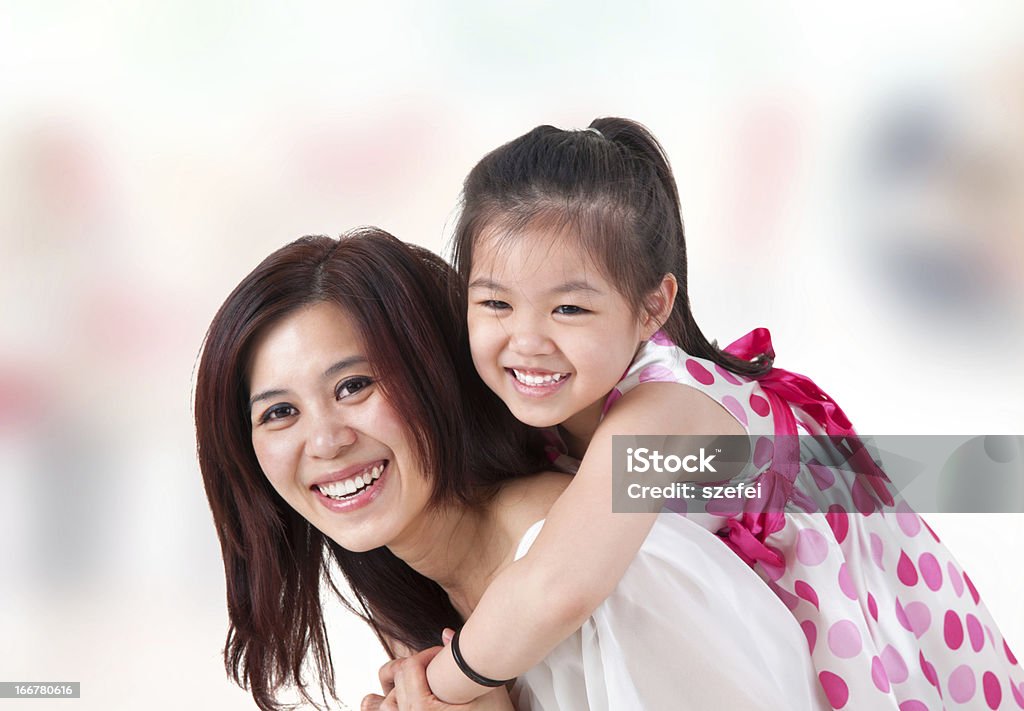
611,189
405,304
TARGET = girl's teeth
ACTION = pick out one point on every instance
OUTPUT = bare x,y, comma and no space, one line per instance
528,379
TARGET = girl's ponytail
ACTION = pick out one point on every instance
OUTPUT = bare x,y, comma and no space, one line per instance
667,245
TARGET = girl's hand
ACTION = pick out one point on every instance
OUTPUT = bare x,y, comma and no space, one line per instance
405,684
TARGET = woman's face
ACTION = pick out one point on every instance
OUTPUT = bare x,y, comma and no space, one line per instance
327,439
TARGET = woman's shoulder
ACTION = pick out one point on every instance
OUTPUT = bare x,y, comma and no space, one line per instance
523,501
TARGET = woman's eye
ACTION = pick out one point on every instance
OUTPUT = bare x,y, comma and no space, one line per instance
569,310
352,386
277,412
494,305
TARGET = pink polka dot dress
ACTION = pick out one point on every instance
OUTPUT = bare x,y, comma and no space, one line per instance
891,619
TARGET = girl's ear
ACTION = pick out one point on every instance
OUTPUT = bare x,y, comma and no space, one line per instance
658,306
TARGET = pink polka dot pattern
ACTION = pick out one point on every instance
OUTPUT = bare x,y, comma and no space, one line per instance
823,476
970,586
953,630
907,519
788,599
931,531
759,405
811,546
846,583
810,632
928,670
877,549
728,376
839,521
993,690
906,571
844,639
901,617
954,579
863,501
699,372
895,667
662,339
836,690
806,592
920,618
865,580
931,571
878,675
1018,693
975,634
764,450
733,405
962,684
656,374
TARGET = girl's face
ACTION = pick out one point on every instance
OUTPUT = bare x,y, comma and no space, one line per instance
325,436
549,334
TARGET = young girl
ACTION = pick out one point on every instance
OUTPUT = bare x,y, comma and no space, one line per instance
571,247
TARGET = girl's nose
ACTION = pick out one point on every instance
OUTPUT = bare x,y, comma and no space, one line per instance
328,438
527,340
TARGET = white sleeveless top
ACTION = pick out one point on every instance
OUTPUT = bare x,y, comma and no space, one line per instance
689,627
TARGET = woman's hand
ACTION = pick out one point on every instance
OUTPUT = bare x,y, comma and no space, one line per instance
404,682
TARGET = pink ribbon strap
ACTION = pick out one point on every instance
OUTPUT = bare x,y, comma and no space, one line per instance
747,533
792,388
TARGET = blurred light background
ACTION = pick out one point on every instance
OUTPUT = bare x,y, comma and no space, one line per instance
851,176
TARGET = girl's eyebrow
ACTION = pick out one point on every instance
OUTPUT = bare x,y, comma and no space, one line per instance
566,288
576,285
341,365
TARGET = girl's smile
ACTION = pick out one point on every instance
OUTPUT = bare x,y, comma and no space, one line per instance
548,332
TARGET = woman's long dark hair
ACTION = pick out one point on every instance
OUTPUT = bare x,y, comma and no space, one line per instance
405,304
612,190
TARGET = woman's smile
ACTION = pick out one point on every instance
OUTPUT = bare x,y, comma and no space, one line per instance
345,491
326,437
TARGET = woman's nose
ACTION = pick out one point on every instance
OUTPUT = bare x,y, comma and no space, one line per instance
328,437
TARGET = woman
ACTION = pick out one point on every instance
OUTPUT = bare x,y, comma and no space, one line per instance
339,420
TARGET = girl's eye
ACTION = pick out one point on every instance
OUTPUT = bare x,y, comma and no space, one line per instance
494,305
277,412
352,386
569,310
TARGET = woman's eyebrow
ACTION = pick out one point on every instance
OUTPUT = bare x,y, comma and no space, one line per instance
341,365
344,364
265,395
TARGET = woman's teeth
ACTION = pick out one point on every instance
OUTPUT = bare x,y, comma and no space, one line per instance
347,487
528,379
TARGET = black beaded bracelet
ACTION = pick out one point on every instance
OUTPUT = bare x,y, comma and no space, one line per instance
468,671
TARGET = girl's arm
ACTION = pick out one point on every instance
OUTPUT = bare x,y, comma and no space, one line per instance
582,551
